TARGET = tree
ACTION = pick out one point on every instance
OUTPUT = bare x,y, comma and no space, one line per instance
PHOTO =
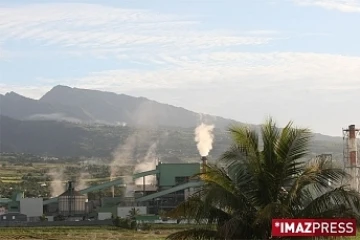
133,213
255,181
43,218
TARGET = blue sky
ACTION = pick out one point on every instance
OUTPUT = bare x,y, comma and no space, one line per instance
292,59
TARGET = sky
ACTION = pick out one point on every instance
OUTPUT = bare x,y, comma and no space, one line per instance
293,60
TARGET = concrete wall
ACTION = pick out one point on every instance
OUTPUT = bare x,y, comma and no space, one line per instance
123,212
32,207
104,215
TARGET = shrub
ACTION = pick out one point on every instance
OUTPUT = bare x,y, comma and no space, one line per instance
146,226
124,223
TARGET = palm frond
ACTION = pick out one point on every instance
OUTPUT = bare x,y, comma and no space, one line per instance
238,227
194,234
262,221
193,207
270,134
293,143
245,141
315,179
331,202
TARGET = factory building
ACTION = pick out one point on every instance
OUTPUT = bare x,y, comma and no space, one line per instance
32,208
71,202
174,182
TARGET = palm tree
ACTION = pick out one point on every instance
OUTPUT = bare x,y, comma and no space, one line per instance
133,213
255,181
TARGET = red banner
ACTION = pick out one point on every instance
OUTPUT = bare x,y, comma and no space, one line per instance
313,227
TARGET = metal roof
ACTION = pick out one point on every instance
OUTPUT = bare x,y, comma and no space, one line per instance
68,193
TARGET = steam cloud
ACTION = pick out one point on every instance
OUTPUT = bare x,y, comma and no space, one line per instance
53,116
204,138
81,181
125,154
56,186
147,164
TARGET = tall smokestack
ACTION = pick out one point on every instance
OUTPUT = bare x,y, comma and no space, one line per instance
204,161
352,144
351,160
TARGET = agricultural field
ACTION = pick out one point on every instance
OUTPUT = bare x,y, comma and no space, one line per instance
158,232
32,175
88,233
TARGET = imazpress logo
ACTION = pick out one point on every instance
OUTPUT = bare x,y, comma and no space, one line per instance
313,227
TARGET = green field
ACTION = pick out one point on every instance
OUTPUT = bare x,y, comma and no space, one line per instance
92,233
89,233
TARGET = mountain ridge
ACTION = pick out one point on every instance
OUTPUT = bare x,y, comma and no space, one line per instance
67,139
77,105
94,106
80,122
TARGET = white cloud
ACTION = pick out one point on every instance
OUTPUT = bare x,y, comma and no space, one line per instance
339,5
289,70
103,28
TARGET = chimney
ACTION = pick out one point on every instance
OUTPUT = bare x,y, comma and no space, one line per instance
352,145
70,186
204,161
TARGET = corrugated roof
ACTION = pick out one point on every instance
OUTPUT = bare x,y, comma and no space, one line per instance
71,193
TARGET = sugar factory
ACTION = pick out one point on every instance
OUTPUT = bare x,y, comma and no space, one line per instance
174,183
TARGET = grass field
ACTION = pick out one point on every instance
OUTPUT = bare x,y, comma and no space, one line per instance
88,233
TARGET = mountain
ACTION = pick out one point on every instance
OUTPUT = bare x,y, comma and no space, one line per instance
79,122
93,106
23,108
66,139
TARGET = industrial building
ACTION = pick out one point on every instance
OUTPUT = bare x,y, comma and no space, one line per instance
174,183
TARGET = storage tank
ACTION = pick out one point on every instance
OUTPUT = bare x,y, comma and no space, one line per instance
71,202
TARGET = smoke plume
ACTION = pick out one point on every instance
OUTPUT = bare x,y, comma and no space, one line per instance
123,155
81,181
130,186
57,186
204,138
147,164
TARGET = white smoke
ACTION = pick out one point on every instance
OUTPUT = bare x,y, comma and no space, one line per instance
123,155
81,182
57,186
54,117
147,164
130,186
204,138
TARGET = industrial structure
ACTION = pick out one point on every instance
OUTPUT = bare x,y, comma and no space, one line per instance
71,202
351,160
174,183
